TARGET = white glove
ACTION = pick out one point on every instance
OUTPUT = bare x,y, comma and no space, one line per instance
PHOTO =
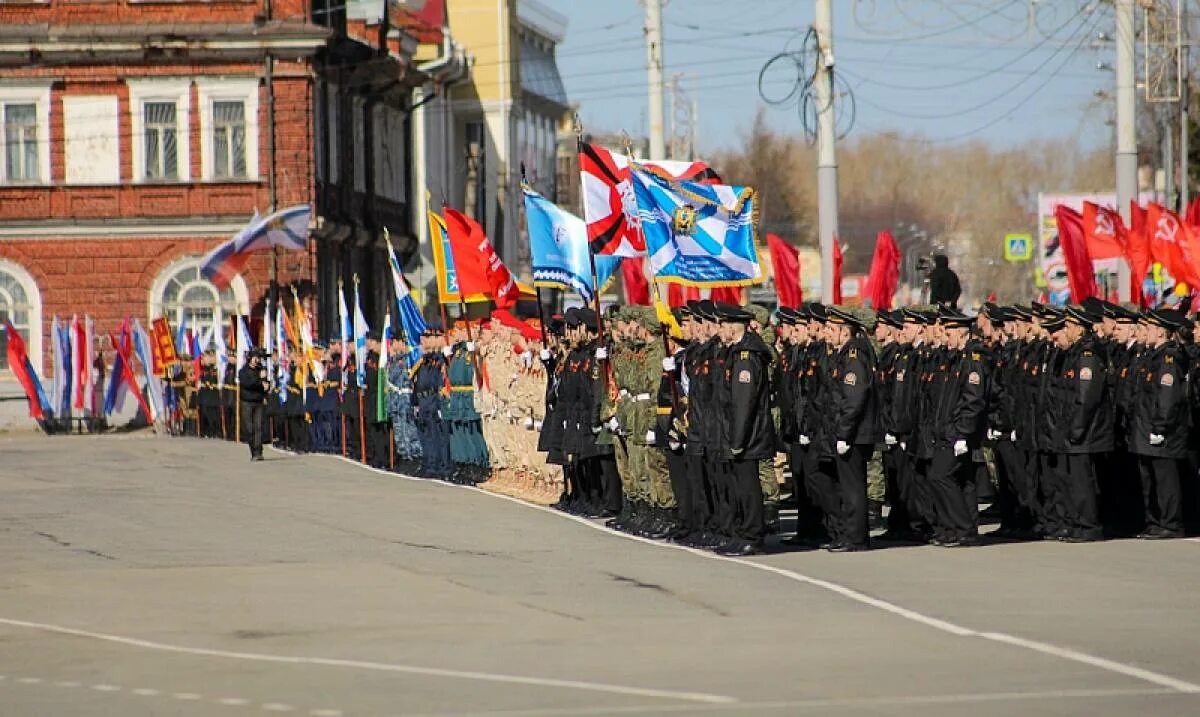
1156,439
614,425
527,358
545,354
669,363
601,353
804,440
737,451
992,434
904,445
889,439
674,445
470,345
439,414
527,423
447,351
650,437
537,426
960,447
595,429
843,448
1013,436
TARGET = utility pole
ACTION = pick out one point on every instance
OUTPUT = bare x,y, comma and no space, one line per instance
827,191
1126,160
673,145
1184,99
654,67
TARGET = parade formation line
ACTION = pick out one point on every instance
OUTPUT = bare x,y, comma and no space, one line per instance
1065,653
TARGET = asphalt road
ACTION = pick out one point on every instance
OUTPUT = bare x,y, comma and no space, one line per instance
143,576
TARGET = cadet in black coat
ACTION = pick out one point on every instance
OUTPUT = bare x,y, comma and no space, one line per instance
957,427
852,428
745,427
1159,428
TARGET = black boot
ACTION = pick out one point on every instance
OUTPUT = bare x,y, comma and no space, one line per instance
771,517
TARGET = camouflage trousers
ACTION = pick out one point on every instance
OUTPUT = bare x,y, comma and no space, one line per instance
768,481
644,474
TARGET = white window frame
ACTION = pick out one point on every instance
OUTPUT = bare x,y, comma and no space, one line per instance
161,89
154,303
228,89
33,343
25,93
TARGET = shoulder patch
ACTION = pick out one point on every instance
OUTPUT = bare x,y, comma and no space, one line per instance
1169,358
900,375
975,356
1085,373
745,355
1167,379
851,379
973,378
853,353
744,376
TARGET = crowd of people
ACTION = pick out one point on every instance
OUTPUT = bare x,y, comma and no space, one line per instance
693,429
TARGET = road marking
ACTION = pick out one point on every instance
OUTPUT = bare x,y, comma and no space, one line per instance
377,666
66,683
29,680
278,707
792,706
106,688
233,701
326,713
186,696
146,692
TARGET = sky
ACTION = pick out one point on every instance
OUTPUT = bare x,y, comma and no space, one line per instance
952,70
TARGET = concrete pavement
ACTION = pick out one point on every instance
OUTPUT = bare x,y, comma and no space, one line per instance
155,576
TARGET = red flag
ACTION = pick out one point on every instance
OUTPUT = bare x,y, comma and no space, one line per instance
82,369
1192,214
785,259
726,294
527,330
124,349
885,272
1173,244
1137,251
1080,275
480,270
678,295
837,271
1103,231
637,288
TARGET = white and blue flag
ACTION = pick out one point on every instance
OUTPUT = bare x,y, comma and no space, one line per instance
360,340
558,242
411,321
698,235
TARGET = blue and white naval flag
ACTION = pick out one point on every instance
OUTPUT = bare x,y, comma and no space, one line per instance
360,341
698,234
411,321
558,242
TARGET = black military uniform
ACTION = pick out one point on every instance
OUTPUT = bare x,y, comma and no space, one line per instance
790,399
699,371
746,433
208,401
670,406
852,431
253,384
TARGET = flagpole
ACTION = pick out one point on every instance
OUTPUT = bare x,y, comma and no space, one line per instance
362,420
608,378
537,290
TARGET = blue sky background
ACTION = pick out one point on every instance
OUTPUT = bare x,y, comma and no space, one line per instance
950,69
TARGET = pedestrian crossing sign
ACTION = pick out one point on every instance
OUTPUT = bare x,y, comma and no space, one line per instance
1018,247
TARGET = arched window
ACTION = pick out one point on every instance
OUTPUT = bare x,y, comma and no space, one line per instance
181,293
20,303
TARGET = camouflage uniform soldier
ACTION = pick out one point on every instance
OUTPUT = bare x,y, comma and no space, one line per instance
761,325
648,463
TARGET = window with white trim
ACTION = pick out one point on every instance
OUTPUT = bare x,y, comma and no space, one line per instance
20,304
160,109
161,132
228,128
182,294
229,139
25,119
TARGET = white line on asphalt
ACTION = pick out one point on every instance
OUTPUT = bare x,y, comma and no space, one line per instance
233,701
66,683
29,680
106,688
278,707
377,666
326,713
930,621
186,696
146,692
811,704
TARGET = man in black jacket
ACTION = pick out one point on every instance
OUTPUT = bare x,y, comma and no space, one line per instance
944,288
747,432
852,426
252,380
956,428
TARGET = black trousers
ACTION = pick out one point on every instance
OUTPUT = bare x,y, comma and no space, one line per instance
1082,511
851,467
1016,494
910,500
808,514
745,501
252,426
821,481
898,519
1161,494
716,484
609,481
677,469
701,501
952,488
210,421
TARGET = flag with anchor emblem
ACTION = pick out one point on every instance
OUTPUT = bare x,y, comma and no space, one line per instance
699,235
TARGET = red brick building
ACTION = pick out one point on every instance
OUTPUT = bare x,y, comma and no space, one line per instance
138,135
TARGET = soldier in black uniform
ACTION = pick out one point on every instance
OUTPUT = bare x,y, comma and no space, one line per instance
378,447
816,395
956,429
699,431
746,430
671,405
550,436
208,398
229,398
853,425
1159,428
790,386
888,329
1081,394
1015,494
